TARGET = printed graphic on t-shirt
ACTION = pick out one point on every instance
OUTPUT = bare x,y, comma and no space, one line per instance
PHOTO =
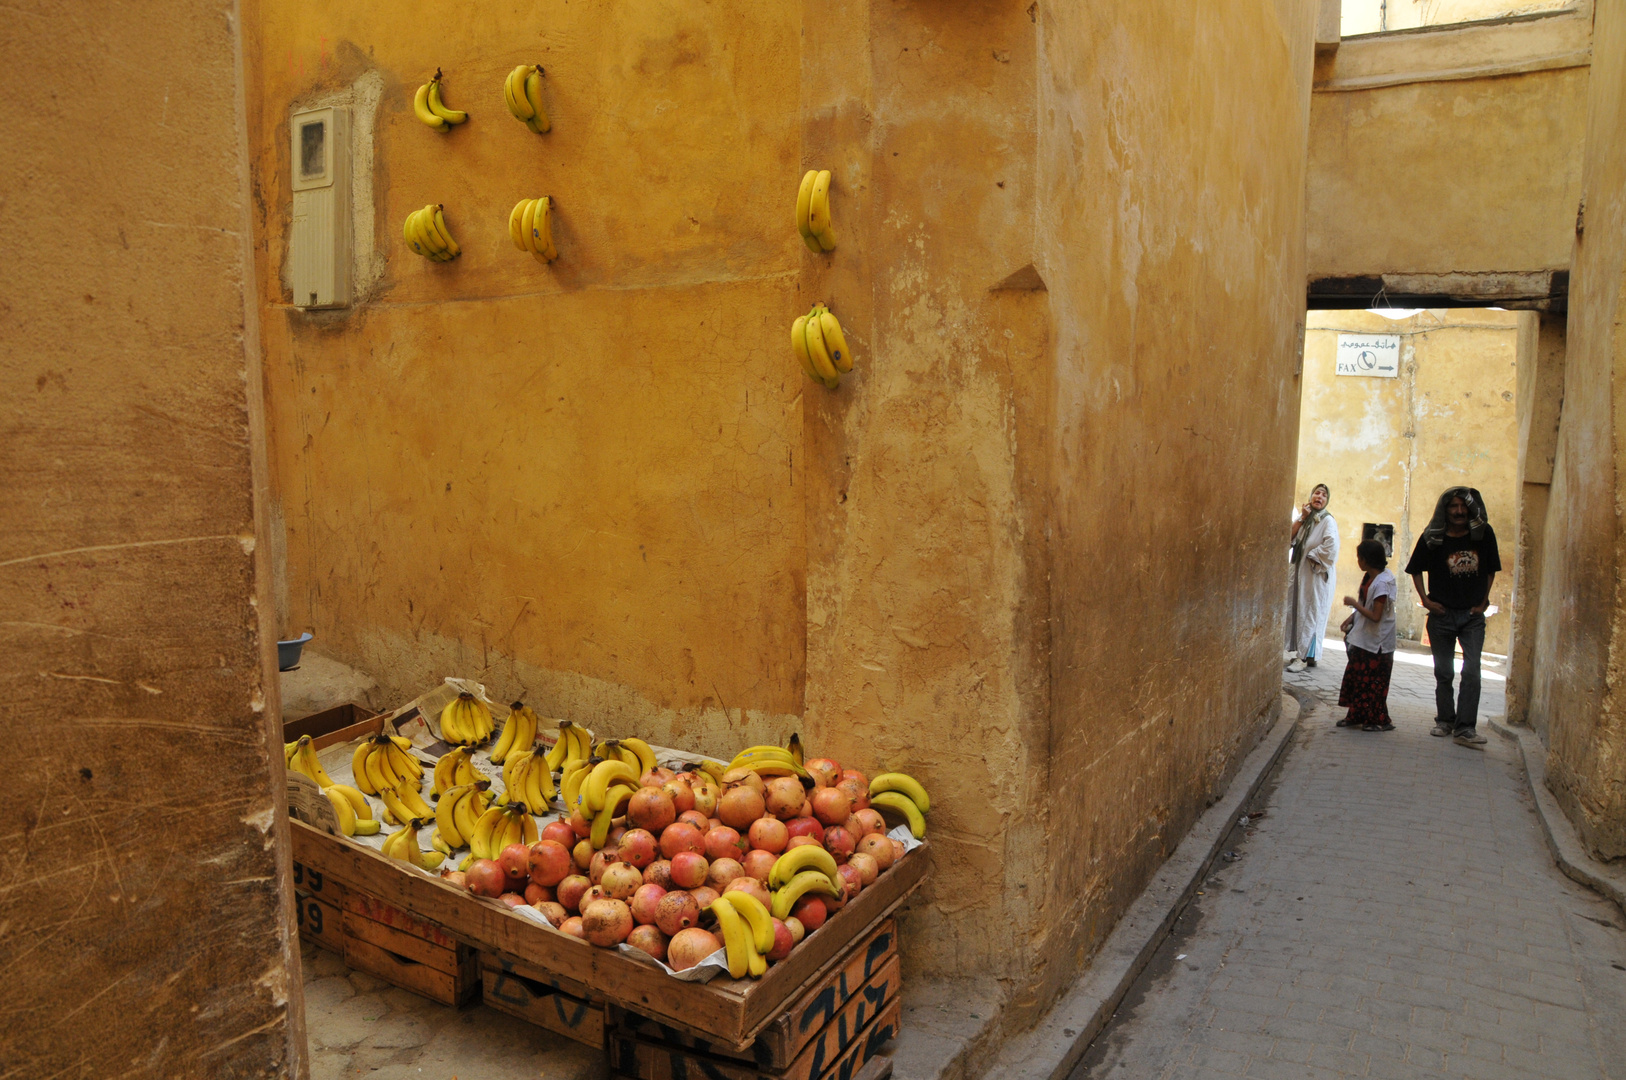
1463,563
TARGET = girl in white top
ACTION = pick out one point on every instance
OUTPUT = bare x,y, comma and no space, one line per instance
1369,643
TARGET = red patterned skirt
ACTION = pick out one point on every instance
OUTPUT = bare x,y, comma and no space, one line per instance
1365,691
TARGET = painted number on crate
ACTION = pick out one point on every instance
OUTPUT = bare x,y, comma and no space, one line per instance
310,879
518,990
822,1008
310,916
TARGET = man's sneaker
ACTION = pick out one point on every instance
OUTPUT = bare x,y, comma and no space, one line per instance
1440,731
1469,737
1295,665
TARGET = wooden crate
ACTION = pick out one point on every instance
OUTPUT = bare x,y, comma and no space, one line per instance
851,988
725,1011
876,1068
515,989
407,951
837,1052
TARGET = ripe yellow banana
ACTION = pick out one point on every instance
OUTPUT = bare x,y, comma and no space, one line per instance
615,801
764,751
756,916
446,770
736,937
538,785
343,811
799,860
561,748
513,88
897,781
584,741
804,199
835,342
646,754
358,766
539,230
539,121
393,803
401,756
793,890
437,226
899,803
306,761
510,728
798,345
480,839
437,103
595,790
358,801
466,811
818,212
446,816
408,792
818,352
570,781
420,106
412,231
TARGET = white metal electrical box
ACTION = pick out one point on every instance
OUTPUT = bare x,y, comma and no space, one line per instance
319,243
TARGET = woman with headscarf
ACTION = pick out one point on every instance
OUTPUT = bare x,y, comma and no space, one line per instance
1314,554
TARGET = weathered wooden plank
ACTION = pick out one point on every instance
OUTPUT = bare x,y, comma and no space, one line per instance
542,1005
497,961
835,1054
374,909
404,944
313,882
448,989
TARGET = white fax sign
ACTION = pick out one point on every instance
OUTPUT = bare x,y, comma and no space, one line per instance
1374,355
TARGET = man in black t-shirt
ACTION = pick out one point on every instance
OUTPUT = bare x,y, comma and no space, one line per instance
1458,553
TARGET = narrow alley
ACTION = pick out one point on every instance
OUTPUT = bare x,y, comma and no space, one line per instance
1391,911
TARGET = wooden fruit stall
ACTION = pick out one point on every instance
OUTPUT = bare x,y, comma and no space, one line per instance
823,1011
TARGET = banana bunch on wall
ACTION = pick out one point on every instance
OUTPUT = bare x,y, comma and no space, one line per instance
530,226
522,90
432,110
466,721
813,212
426,233
820,346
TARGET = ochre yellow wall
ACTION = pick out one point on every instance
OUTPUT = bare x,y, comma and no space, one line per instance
581,480
1580,617
607,486
148,910
1450,152
1388,447
1171,196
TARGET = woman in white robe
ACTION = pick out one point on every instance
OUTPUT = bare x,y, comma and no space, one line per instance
1314,558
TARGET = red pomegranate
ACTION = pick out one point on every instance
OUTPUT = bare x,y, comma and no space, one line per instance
857,792
649,939
689,869
877,847
659,873
638,847
831,805
806,826
681,836
825,772
868,869
681,794
784,797
582,854
485,878
560,832
759,863
688,947
783,943
721,872
810,912
739,806
751,887
607,923
724,843
570,891
621,880
839,843
573,927
871,819
550,862
554,912
651,809
676,911
768,834
645,901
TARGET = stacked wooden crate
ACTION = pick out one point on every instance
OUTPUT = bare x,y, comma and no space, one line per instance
836,1025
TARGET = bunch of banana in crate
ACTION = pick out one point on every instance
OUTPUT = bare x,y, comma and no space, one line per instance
354,812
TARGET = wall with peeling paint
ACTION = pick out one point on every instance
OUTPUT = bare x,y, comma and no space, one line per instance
1388,447
1579,621
146,919
606,484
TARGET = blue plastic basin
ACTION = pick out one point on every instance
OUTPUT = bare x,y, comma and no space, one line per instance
288,652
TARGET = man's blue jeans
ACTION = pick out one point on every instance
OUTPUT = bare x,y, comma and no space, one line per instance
1444,633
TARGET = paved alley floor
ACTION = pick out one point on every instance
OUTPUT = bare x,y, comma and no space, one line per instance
1393,912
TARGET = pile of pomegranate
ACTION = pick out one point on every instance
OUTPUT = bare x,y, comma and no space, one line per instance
685,839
